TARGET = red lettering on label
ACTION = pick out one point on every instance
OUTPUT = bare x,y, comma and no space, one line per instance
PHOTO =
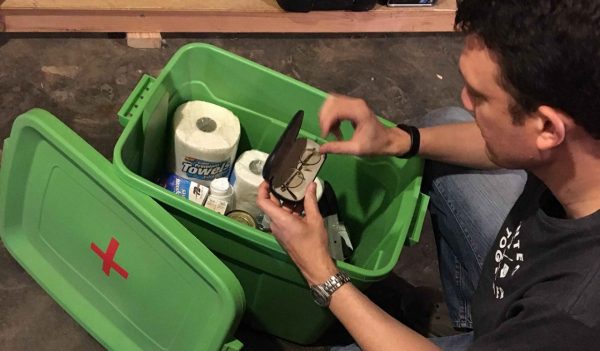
108,257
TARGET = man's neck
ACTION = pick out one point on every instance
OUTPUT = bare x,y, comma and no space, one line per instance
574,178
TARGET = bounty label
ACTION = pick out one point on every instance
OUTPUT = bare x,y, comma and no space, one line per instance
205,170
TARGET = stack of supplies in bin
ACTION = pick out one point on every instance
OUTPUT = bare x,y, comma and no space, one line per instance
205,143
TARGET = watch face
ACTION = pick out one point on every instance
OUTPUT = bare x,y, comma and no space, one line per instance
320,296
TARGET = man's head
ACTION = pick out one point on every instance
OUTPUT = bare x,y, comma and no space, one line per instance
532,73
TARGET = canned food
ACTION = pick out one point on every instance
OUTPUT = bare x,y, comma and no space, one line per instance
242,217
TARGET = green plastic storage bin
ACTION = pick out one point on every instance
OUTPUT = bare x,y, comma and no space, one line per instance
114,259
379,198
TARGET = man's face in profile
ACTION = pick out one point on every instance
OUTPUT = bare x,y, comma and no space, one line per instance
508,144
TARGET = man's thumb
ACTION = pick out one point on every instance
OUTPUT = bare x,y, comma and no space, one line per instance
311,207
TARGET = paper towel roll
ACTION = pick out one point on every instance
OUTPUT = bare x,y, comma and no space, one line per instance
246,177
205,141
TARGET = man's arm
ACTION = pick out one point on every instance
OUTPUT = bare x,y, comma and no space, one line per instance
371,327
305,240
459,144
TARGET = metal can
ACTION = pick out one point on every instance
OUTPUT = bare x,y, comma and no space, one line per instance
242,217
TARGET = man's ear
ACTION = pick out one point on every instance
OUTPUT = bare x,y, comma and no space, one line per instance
551,126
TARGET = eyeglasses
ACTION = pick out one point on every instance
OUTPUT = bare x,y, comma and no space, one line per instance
311,157
293,164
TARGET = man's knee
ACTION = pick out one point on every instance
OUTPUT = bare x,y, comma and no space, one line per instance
445,115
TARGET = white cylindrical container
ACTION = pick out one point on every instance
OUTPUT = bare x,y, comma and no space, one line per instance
221,190
205,141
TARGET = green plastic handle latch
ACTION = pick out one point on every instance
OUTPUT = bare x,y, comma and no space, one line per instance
234,345
135,103
414,232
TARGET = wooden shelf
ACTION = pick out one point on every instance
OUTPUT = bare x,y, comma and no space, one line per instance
210,16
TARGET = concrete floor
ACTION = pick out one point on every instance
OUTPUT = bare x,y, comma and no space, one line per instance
84,79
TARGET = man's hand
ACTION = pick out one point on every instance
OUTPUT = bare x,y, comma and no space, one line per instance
304,238
370,136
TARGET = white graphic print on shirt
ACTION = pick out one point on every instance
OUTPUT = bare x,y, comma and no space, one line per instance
508,259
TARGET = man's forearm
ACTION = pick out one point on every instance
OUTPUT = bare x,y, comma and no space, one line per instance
458,144
371,327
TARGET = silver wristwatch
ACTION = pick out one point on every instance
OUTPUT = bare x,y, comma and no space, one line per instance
321,293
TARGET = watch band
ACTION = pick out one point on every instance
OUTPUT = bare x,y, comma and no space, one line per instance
335,282
322,292
415,140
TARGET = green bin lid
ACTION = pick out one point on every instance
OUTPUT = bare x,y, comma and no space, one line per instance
126,270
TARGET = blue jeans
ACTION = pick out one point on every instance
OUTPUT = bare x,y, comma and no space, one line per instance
467,208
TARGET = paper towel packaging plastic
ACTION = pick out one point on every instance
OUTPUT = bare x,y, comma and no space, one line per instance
185,188
205,141
246,178
293,164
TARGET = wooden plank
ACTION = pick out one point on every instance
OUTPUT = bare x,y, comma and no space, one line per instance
209,16
184,5
174,5
231,23
144,40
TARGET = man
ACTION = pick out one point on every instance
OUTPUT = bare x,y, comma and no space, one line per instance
532,83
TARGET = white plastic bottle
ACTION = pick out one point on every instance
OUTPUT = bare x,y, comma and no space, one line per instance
221,196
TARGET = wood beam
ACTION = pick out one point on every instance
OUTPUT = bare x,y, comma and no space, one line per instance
212,16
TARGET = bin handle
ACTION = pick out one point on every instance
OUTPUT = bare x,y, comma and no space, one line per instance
234,345
414,232
135,103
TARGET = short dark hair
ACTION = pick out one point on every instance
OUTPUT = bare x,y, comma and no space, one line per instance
548,52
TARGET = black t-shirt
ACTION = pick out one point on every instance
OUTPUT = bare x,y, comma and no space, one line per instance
540,284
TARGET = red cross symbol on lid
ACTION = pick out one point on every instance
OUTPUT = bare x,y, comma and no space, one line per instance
108,257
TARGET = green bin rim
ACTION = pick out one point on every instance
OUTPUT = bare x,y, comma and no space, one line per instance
262,241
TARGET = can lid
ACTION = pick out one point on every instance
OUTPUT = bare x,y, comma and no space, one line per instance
242,217
219,186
